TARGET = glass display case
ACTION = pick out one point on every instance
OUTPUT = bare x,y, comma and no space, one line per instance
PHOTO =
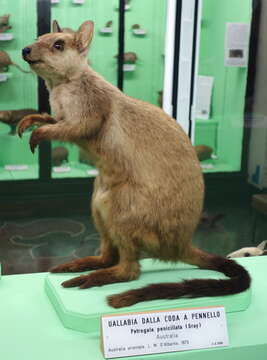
192,58
18,89
221,82
198,60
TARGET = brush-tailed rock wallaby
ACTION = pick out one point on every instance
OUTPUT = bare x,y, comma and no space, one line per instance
148,196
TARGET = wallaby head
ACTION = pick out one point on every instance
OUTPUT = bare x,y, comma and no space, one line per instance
60,55
5,115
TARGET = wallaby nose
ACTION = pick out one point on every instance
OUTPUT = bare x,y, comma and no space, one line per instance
26,51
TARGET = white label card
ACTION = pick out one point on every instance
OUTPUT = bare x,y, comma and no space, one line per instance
147,333
3,77
129,67
16,167
237,44
61,169
7,36
78,1
107,30
203,97
139,31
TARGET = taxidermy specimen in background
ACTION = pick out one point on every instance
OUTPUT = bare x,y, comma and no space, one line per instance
109,24
204,152
129,57
5,62
250,251
148,196
13,117
4,23
59,155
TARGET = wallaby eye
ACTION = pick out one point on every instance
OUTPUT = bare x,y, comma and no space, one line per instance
59,45
247,254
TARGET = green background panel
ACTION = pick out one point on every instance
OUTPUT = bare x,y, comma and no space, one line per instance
147,80
20,90
228,100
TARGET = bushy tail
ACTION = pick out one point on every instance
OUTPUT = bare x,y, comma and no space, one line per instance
239,281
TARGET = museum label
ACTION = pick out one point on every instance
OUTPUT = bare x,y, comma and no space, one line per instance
158,332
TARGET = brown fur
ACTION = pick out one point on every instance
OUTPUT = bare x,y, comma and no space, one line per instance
149,193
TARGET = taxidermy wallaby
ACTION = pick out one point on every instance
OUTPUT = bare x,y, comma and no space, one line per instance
149,193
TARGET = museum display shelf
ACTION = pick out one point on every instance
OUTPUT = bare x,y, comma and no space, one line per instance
80,311
29,320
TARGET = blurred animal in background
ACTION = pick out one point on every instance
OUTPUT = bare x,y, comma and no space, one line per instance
129,57
109,24
5,62
204,152
250,251
4,23
136,27
59,155
13,117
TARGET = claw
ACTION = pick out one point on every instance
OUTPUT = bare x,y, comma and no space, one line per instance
32,146
35,139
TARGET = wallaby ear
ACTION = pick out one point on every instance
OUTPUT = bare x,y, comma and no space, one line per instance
83,37
55,27
264,252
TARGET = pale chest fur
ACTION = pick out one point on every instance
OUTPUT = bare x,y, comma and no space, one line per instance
64,103
101,199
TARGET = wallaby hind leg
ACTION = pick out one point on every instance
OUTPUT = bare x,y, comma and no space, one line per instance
108,253
108,257
127,269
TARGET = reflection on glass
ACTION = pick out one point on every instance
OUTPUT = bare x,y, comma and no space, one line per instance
221,84
18,90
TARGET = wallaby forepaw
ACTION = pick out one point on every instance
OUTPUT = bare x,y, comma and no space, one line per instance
122,300
27,122
37,136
